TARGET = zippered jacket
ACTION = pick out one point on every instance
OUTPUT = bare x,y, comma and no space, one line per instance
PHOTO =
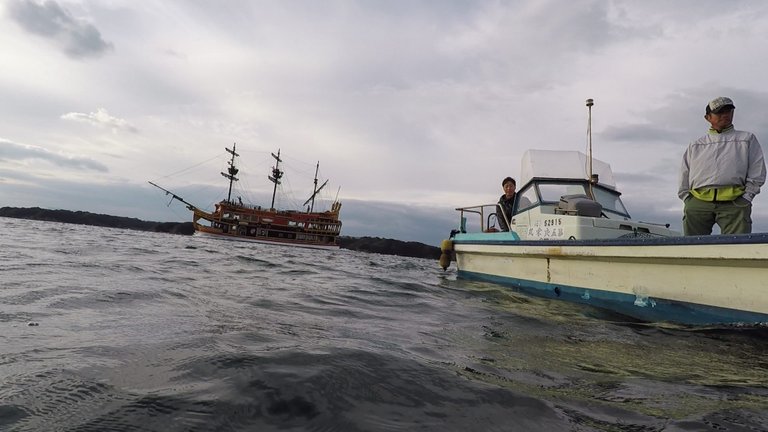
730,160
507,205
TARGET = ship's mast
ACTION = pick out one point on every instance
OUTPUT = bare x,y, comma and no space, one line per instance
232,170
275,177
315,190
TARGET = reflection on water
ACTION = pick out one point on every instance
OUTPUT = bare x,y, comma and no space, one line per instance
561,351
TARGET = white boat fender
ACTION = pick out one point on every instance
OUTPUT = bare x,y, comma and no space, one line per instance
446,248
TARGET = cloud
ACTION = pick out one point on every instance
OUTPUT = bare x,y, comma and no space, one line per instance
637,132
101,118
13,151
76,37
430,103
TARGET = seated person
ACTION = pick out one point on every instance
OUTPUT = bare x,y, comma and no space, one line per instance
506,203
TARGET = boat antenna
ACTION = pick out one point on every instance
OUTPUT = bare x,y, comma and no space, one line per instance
232,170
315,190
593,179
276,176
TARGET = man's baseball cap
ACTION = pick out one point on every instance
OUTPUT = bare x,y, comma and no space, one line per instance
720,105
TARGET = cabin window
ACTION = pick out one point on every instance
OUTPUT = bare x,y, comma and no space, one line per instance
610,201
551,192
526,199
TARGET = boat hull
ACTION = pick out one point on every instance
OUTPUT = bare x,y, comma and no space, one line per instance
270,242
689,280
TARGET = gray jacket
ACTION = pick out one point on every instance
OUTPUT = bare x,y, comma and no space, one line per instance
730,158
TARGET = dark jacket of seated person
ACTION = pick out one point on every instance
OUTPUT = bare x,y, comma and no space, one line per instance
506,203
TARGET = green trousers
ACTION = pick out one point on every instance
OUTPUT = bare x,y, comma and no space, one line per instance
733,217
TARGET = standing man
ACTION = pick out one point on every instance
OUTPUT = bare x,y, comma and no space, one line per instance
720,175
506,203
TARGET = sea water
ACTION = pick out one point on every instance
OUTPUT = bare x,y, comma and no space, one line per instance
117,330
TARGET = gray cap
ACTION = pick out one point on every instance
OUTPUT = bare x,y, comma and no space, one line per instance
719,105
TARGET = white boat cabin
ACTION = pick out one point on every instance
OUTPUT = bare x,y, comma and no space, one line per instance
559,200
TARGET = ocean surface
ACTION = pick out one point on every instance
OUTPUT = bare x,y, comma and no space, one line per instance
115,330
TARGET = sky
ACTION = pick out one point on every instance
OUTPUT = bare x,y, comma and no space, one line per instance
412,108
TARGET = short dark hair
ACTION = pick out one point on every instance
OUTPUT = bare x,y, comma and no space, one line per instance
507,180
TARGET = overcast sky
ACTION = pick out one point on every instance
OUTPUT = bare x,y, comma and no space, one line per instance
411,107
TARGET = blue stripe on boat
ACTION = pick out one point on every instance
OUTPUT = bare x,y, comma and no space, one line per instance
646,309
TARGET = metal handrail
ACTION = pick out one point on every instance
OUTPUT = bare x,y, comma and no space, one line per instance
477,209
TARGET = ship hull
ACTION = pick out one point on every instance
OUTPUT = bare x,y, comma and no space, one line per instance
275,241
267,226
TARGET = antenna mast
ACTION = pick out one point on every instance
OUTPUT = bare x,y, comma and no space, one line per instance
275,177
232,170
593,179
590,102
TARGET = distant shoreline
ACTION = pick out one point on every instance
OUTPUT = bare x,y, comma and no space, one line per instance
363,244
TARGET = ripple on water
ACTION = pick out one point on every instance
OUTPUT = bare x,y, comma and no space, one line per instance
154,332
350,390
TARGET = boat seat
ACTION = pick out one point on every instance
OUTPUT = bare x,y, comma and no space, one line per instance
578,205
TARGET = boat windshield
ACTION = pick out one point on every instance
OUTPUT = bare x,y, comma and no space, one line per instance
550,193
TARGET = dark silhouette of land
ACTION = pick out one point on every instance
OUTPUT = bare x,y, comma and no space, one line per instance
364,244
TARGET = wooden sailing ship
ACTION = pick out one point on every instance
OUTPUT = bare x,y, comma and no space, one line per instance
233,220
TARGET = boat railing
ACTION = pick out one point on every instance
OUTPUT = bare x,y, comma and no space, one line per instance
484,211
665,225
